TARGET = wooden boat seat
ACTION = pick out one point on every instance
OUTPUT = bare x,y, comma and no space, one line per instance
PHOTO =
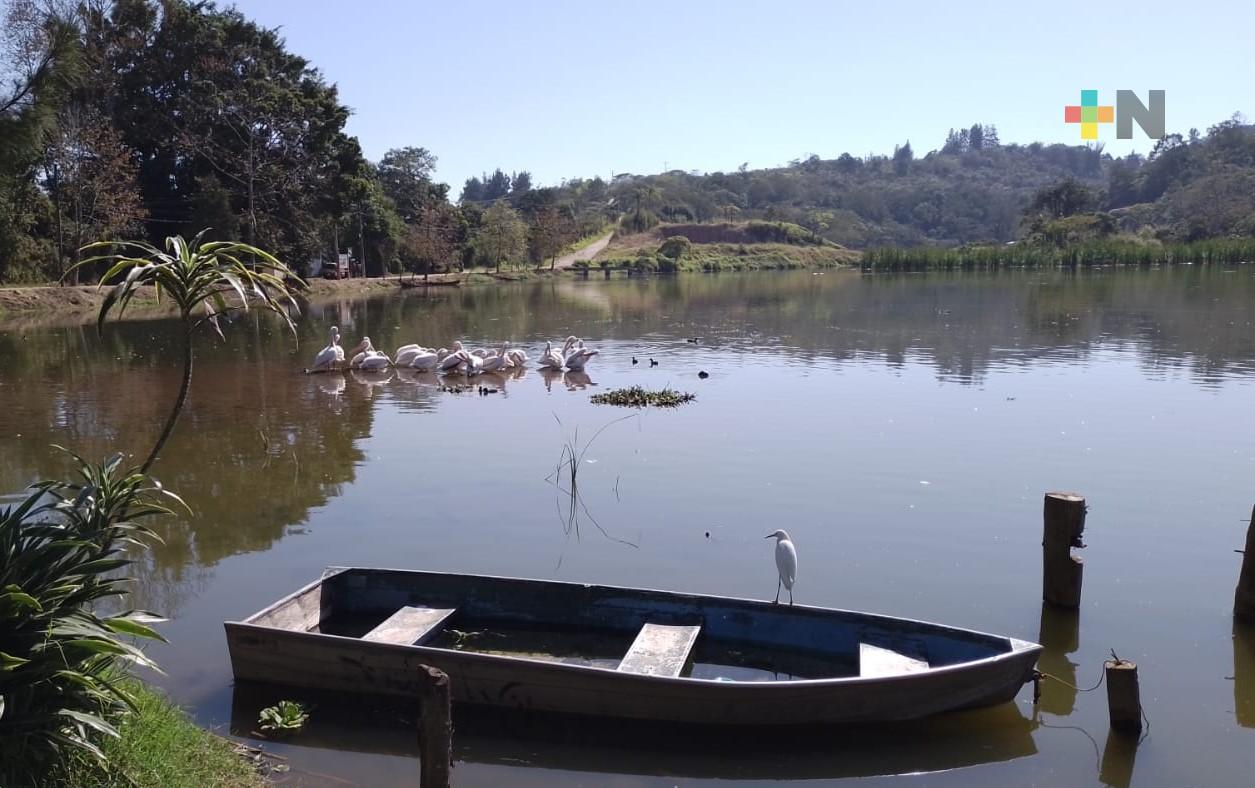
660,650
409,626
877,662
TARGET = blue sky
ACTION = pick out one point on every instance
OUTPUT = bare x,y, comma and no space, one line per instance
576,89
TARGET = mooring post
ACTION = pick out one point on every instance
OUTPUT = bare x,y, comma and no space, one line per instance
1244,598
1124,699
435,733
1064,522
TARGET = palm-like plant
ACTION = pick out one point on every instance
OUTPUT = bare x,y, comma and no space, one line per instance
205,280
61,550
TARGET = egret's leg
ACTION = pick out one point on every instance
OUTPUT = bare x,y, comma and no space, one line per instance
779,583
790,595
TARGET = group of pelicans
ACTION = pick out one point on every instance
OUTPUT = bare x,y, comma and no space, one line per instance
366,358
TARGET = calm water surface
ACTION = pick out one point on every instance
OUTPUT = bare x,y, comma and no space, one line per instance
903,429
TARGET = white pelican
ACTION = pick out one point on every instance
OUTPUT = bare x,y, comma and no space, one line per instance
496,361
551,359
332,355
474,364
406,353
452,360
786,562
367,359
517,357
579,356
425,361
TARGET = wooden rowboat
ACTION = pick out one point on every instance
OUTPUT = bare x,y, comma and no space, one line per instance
621,652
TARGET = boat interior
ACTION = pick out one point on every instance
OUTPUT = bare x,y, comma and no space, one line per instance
635,631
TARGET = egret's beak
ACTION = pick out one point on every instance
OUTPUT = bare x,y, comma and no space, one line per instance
769,536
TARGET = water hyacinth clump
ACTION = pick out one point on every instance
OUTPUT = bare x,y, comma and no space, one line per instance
638,397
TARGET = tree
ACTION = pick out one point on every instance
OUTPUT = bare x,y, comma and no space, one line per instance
405,175
472,190
496,185
39,63
902,158
1066,198
520,183
91,178
502,235
552,229
976,137
198,277
431,240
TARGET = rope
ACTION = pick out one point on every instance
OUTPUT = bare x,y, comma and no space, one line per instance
1039,675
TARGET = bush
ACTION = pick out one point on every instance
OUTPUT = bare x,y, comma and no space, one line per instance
61,550
675,247
638,221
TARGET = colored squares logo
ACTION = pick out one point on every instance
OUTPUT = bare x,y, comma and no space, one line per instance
1088,114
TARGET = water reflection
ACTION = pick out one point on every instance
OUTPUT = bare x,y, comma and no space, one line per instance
1244,674
1059,636
602,746
831,399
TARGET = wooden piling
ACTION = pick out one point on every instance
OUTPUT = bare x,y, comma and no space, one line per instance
1244,598
1124,700
1063,516
435,737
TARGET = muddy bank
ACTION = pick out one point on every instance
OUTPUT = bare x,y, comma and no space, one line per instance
22,307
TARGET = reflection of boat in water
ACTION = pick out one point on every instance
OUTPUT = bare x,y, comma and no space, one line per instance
535,740
622,652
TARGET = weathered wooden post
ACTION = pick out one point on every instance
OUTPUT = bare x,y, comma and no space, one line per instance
435,736
1244,598
1124,699
1064,522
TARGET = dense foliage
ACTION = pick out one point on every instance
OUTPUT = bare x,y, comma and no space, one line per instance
62,550
140,119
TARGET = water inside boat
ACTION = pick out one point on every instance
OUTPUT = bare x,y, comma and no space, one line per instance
712,658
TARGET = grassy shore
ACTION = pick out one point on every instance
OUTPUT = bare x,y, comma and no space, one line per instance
1097,252
160,747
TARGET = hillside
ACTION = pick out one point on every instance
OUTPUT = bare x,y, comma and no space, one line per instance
973,189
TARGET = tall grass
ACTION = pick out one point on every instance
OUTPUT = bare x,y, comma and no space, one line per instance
1090,253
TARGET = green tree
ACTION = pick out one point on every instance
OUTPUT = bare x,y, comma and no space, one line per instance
405,174
204,280
502,235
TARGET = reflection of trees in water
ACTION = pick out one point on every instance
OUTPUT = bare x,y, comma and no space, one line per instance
260,444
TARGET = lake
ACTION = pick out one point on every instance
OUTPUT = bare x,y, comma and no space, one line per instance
903,429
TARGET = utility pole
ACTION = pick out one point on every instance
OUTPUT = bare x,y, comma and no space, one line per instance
361,240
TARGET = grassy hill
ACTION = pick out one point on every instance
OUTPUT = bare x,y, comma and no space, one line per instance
721,246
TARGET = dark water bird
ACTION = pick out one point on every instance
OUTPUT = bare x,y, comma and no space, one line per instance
693,340
634,361
653,363
703,374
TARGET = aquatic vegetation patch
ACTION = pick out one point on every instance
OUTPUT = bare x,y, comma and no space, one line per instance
639,397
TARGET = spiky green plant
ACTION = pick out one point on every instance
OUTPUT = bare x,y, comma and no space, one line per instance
205,280
62,551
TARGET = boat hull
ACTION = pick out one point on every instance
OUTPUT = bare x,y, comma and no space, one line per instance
276,646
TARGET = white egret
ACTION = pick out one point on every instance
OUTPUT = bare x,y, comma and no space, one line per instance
786,562
331,355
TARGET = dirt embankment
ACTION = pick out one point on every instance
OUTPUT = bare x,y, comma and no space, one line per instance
54,305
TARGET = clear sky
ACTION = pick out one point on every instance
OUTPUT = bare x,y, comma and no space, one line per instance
577,89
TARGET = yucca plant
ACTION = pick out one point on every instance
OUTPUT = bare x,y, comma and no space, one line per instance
62,551
205,280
